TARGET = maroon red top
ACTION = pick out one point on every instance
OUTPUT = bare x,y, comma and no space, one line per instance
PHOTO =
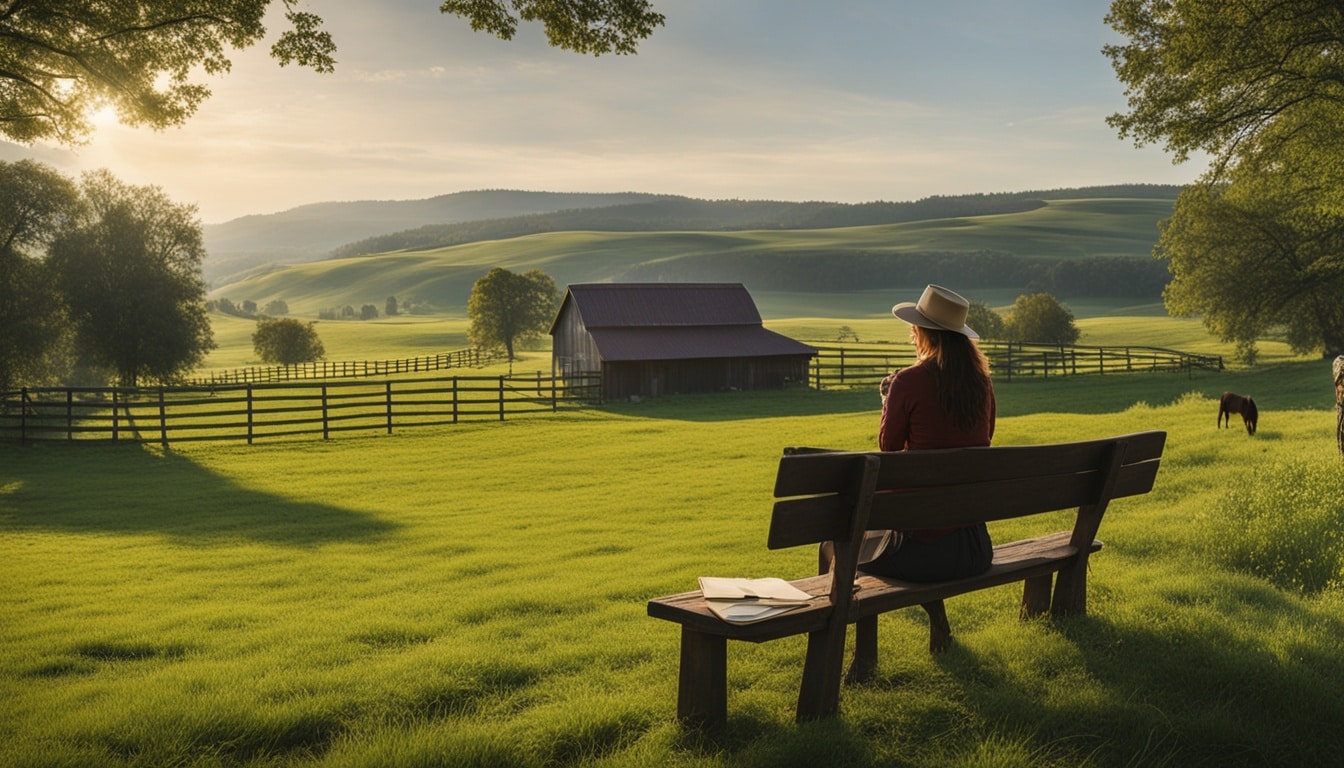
913,420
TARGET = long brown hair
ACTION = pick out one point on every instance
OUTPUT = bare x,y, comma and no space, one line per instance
962,373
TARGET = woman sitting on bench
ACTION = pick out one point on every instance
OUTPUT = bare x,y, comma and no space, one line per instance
945,400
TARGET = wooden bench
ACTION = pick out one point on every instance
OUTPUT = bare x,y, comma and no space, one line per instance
836,496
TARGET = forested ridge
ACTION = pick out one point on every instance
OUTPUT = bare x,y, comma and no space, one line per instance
837,271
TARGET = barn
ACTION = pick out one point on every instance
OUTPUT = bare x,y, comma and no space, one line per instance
651,339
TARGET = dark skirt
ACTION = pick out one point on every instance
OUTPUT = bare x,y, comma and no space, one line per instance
960,553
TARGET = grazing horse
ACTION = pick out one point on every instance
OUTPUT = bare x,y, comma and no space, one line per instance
1243,404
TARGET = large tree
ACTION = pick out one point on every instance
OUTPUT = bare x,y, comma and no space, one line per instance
62,59
1259,86
34,200
129,270
507,309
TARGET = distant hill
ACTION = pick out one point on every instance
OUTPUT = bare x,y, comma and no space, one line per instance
325,230
1070,244
311,231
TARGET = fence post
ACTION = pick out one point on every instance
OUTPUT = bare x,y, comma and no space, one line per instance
325,434
501,398
69,414
842,366
1010,361
23,413
249,413
115,423
163,420
454,399
555,405
389,407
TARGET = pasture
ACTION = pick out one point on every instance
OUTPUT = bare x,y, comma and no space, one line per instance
474,595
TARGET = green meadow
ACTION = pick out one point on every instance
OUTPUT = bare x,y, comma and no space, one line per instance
475,595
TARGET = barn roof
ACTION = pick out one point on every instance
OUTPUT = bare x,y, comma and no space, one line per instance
674,321
626,305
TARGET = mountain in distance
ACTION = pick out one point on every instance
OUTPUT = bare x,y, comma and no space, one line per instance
260,242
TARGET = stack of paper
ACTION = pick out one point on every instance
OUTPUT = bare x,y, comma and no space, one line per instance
743,601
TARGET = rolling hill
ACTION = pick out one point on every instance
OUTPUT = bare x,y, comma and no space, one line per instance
1071,245
324,230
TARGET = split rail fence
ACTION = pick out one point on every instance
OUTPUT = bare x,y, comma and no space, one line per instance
316,406
253,412
837,367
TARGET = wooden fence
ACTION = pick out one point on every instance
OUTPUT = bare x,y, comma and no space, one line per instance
471,357
252,412
840,367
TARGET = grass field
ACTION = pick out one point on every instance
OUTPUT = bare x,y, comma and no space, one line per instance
474,596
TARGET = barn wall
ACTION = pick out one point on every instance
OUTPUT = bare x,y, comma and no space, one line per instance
573,353
653,378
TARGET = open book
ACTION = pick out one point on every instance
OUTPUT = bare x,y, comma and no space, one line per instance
743,601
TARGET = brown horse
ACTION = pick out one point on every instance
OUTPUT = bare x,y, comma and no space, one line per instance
1242,404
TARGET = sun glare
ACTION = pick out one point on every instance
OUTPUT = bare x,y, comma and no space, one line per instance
103,116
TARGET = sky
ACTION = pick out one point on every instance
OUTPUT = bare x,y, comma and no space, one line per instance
797,100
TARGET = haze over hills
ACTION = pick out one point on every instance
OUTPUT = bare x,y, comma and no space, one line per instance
251,243
1088,242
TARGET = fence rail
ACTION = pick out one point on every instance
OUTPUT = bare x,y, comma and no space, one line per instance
254,412
471,357
840,367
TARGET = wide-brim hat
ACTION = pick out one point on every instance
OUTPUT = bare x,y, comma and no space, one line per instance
939,309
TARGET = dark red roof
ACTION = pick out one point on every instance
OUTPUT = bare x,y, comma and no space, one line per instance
626,305
674,321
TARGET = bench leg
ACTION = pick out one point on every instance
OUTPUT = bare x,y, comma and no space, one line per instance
1070,590
819,694
1036,596
864,665
702,690
940,632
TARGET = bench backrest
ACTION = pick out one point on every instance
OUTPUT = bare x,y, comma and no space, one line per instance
835,496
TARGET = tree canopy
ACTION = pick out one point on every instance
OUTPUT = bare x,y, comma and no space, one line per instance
128,268
1041,318
61,60
287,341
34,199
1256,247
506,308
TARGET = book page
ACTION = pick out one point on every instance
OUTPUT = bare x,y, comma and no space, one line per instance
767,589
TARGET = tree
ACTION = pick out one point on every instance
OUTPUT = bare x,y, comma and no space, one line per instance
1039,317
390,309
60,60
985,321
507,309
128,267
34,199
1210,76
1254,256
368,312
287,341
1259,85
276,308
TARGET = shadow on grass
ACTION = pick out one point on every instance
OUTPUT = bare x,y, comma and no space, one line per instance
129,489
1185,690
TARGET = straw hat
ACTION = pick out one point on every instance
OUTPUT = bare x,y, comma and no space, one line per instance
938,308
